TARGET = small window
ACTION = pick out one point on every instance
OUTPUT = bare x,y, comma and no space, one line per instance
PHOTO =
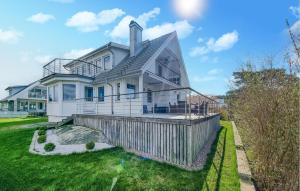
32,106
100,93
50,94
98,65
40,106
88,93
83,69
160,70
106,62
149,96
118,91
55,93
131,91
69,92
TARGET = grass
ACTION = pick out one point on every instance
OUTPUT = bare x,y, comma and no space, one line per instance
8,123
21,170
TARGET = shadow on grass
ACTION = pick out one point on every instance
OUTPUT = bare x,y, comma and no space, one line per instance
211,180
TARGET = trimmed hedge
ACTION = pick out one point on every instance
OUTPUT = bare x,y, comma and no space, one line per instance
90,145
42,139
42,132
49,147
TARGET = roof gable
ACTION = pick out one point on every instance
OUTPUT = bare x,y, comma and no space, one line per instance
134,64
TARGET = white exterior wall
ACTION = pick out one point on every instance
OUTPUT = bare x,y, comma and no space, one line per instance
60,109
123,106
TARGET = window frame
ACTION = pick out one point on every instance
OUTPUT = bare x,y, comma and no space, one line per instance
149,96
131,95
118,92
86,98
63,91
106,62
101,98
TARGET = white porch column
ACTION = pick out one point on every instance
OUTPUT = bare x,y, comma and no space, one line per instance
141,89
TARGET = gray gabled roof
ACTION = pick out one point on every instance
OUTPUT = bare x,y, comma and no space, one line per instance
23,88
130,65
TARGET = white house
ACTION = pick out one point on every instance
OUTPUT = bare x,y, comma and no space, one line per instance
30,98
117,79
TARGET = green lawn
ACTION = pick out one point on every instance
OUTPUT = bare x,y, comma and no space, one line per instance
7,123
20,170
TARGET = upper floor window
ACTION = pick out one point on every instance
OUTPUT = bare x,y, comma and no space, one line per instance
98,65
37,93
69,92
106,61
82,69
101,93
131,91
88,93
160,70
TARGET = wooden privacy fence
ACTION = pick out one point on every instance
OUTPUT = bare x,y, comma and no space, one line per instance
173,141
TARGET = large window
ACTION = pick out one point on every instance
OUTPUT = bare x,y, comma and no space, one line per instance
101,93
131,91
106,60
88,93
69,92
118,91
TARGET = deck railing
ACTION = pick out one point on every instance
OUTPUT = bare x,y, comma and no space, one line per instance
179,103
80,67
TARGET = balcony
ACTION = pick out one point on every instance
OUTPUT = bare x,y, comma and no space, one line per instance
70,66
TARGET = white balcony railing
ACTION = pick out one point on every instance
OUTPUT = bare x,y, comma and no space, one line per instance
79,67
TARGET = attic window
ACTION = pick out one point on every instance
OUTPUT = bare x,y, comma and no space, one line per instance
106,61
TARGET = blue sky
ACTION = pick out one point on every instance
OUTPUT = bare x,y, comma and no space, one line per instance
215,36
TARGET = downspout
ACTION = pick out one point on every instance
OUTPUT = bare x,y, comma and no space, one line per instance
112,97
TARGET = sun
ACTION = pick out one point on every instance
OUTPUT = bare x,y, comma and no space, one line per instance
189,9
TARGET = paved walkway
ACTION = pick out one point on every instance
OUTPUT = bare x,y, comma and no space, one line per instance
243,166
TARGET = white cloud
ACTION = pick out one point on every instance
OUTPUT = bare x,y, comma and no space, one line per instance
225,42
183,29
121,31
295,28
10,36
295,10
86,21
210,76
76,53
190,9
63,1
204,78
200,40
215,71
40,18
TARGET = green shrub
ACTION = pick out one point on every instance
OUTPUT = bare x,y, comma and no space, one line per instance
49,147
42,128
90,145
42,139
42,132
224,114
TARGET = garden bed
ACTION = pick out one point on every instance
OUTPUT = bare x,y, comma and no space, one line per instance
68,140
